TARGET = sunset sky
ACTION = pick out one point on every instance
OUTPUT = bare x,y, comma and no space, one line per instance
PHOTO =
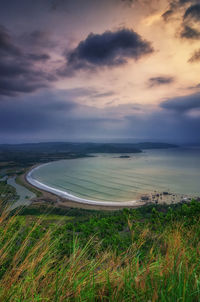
95,70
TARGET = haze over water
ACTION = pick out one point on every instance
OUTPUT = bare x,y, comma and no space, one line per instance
108,177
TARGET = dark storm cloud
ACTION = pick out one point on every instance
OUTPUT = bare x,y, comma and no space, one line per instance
12,68
6,45
51,115
182,104
107,49
193,12
19,72
13,88
110,48
17,78
36,114
161,80
195,57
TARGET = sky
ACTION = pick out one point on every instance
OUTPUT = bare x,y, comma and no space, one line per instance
90,70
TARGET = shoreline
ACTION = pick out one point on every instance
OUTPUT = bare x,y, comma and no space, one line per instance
62,199
68,196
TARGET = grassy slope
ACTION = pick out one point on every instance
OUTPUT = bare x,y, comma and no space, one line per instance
148,254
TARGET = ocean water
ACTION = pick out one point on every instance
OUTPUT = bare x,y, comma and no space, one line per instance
108,177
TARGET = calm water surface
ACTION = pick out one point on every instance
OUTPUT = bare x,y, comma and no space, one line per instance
24,194
107,177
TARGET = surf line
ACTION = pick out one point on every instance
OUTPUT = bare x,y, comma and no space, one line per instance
72,197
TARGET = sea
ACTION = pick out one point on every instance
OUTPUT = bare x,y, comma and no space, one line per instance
113,177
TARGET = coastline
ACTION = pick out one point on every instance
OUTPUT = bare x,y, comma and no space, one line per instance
59,198
63,199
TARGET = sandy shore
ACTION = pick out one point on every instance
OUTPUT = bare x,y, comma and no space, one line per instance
63,199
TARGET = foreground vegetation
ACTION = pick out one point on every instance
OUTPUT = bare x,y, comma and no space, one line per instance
148,254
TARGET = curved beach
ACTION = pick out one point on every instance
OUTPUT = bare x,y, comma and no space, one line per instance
68,196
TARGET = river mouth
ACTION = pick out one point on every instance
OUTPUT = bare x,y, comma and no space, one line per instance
111,178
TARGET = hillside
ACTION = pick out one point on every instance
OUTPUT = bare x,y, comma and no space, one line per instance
52,147
148,254
29,154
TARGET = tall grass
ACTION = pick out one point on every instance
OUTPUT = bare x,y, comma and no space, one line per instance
156,266
32,270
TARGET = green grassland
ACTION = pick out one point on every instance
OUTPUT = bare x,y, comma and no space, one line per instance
147,254
8,194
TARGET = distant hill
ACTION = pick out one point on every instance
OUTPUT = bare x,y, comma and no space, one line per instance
149,145
84,148
112,148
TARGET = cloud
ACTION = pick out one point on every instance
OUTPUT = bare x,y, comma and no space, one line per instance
6,45
165,125
129,2
107,50
37,39
175,6
53,115
35,115
190,28
103,94
65,5
21,71
195,57
179,10
187,13
56,115
14,88
81,92
22,77
193,12
197,86
182,104
38,57
161,80
167,15
190,33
